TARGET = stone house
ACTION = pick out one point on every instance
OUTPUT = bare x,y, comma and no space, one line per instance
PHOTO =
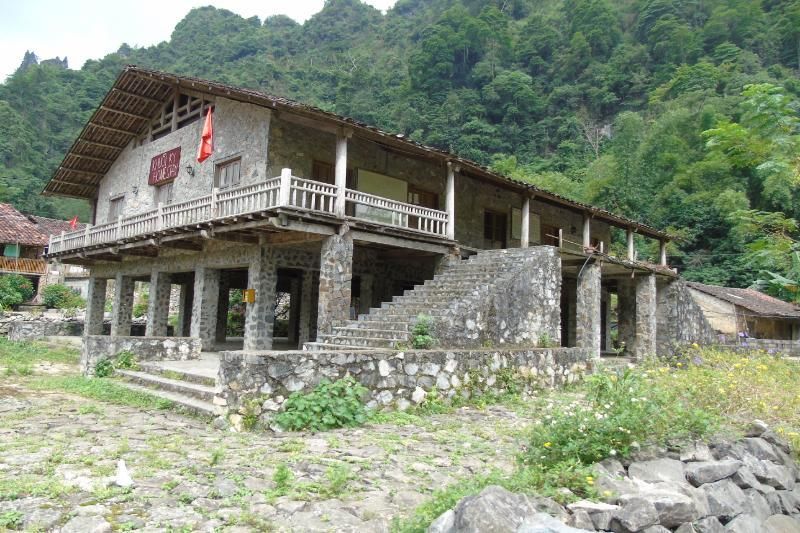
358,229
23,242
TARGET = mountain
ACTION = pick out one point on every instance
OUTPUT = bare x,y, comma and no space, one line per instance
639,106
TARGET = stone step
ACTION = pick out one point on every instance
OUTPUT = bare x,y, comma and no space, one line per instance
180,375
368,342
187,403
401,326
436,300
391,334
327,347
153,381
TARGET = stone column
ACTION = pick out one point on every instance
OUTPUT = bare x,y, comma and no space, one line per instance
95,306
262,275
223,303
365,293
183,324
525,230
123,306
158,304
626,314
204,306
645,341
588,309
335,277
450,200
306,307
294,309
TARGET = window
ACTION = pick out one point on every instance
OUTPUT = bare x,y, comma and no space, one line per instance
494,229
228,173
423,198
550,235
164,193
183,109
321,171
115,206
11,250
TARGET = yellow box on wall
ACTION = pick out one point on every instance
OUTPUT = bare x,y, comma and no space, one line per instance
249,296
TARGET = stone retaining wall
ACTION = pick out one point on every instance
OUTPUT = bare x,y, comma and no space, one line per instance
98,347
37,329
769,345
263,380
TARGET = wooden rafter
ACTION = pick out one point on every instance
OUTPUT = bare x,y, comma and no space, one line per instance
115,130
135,95
124,113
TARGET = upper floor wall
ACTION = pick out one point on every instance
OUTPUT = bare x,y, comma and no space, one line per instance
241,133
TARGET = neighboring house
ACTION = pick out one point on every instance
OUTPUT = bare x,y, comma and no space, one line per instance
747,313
345,219
23,240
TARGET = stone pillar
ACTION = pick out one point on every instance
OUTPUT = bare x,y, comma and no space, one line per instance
340,172
158,304
123,306
183,324
587,231
95,306
588,309
223,303
626,314
259,319
335,277
365,293
306,307
662,252
631,246
204,306
294,309
450,200
645,341
525,231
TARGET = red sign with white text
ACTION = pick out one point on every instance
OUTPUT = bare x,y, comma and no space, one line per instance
164,167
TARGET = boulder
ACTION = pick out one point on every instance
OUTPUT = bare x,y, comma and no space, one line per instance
581,520
495,510
744,523
701,472
444,524
657,470
790,503
696,451
87,524
673,507
745,479
756,428
781,524
709,524
757,504
760,448
544,523
725,499
635,514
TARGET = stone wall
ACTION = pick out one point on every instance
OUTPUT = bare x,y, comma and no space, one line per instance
769,345
22,330
98,347
394,379
679,320
516,307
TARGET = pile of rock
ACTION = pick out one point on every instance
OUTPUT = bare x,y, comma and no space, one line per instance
748,486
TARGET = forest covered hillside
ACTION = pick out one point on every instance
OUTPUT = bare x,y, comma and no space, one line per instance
679,113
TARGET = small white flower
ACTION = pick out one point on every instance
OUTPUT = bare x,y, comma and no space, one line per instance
612,452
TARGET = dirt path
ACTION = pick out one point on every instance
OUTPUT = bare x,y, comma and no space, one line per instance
58,453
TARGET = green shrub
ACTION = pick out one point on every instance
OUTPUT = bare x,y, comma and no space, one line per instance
126,360
59,296
421,338
328,406
14,290
104,368
140,307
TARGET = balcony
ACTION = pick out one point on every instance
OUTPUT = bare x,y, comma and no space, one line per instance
286,192
21,265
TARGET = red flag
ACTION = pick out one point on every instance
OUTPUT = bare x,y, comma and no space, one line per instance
206,140
74,222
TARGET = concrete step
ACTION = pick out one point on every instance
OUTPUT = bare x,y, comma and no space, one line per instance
327,347
400,326
352,331
364,342
180,375
153,381
188,403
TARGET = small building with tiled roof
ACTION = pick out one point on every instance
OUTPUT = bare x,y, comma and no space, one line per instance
735,312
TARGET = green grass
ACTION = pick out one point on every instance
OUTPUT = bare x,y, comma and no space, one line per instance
18,358
99,389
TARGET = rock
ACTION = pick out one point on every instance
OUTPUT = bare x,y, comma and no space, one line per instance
123,477
636,514
600,513
790,503
581,520
444,524
551,507
756,428
655,529
745,479
759,448
538,523
225,487
657,470
613,467
778,442
701,472
725,499
87,524
774,502
697,451
494,509
418,396
710,524
781,524
673,507
744,523
758,505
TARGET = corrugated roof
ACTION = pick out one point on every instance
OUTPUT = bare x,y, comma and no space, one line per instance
138,95
751,299
16,228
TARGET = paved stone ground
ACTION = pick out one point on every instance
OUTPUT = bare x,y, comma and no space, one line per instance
59,452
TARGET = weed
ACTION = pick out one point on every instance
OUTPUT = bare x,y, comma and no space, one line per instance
421,336
126,360
328,406
546,341
100,389
217,455
18,358
11,520
338,477
104,368
90,409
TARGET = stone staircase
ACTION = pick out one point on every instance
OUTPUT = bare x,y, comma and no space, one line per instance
389,326
190,390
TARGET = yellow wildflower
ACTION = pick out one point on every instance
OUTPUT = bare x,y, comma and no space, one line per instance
547,444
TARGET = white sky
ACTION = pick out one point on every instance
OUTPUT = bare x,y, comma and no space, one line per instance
90,29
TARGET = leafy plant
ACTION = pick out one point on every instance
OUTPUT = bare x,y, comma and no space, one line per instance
104,368
59,296
328,406
11,519
421,337
126,360
14,290
282,477
545,341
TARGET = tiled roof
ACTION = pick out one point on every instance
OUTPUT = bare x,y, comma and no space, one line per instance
17,228
751,299
54,226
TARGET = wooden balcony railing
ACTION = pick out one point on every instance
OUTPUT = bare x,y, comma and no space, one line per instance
23,265
285,191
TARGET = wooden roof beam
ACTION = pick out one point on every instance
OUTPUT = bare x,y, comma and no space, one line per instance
139,96
124,113
115,130
91,158
102,145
